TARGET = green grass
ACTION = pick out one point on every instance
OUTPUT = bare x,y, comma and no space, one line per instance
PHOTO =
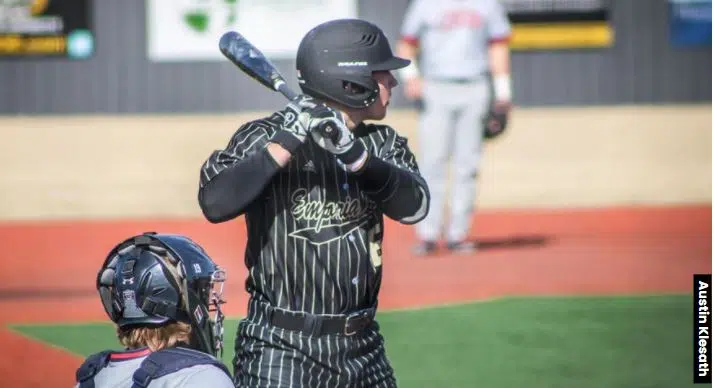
516,342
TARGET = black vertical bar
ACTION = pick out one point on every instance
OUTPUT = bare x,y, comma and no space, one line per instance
701,328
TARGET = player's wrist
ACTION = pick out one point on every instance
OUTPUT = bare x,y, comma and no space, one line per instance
502,87
287,140
357,165
279,155
353,157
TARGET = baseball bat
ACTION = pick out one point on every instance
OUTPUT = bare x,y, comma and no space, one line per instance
242,53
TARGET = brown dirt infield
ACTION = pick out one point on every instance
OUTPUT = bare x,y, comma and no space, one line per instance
47,274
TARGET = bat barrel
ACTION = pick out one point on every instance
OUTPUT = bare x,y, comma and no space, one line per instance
226,39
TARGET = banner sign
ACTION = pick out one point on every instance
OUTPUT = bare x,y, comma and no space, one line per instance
57,28
690,22
189,30
559,24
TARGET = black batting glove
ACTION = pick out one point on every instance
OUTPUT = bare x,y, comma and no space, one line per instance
296,124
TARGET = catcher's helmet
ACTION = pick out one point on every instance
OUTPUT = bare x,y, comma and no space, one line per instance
154,279
344,51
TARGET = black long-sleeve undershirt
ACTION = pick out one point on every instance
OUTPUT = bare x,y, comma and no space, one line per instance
227,195
402,195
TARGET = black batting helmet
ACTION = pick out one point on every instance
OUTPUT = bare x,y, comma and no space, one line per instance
343,51
153,279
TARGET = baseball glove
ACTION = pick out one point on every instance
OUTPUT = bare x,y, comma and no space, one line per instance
496,120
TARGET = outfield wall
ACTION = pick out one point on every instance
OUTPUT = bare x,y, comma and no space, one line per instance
62,167
642,66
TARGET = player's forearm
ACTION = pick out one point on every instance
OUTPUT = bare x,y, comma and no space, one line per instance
400,194
499,57
229,193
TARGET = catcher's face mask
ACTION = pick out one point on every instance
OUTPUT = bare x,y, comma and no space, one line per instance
204,302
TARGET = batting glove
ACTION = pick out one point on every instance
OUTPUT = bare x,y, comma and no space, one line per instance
296,124
329,130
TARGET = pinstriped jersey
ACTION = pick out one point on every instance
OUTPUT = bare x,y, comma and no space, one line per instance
314,237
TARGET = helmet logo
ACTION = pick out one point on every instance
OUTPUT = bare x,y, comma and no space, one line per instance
352,64
196,267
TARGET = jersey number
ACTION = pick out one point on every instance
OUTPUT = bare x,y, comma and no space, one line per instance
374,236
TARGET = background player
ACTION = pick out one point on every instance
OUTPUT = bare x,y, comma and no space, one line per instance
164,294
314,212
458,43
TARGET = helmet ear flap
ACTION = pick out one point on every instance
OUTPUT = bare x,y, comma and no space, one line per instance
358,91
355,90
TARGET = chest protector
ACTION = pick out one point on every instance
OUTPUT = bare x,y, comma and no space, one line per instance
156,365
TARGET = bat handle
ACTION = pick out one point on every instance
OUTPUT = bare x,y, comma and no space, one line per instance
282,87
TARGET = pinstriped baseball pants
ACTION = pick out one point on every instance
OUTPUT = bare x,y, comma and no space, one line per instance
268,356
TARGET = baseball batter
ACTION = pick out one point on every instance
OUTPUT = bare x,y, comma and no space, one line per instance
314,208
462,45
164,294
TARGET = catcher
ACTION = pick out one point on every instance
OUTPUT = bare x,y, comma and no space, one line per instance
164,294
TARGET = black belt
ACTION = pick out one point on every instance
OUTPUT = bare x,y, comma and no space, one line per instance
317,325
